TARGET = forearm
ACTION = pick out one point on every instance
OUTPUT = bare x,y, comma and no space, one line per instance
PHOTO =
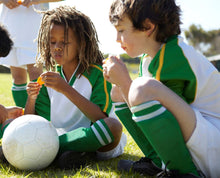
89,109
3,114
30,106
124,89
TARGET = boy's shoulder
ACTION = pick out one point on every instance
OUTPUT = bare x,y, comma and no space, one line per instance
173,40
174,47
95,67
94,72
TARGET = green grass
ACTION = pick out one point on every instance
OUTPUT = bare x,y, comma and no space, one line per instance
5,89
100,169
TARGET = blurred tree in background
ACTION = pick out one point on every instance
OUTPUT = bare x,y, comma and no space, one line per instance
208,42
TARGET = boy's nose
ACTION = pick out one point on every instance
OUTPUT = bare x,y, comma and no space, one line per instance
58,47
118,38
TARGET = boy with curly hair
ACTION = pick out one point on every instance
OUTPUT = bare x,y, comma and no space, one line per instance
76,98
172,109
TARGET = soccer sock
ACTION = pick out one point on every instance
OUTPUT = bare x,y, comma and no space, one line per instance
163,132
86,139
19,94
124,114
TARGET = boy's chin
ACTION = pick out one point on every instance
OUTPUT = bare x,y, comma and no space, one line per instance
133,55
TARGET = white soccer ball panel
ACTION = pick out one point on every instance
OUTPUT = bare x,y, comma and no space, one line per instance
25,132
31,148
13,151
44,138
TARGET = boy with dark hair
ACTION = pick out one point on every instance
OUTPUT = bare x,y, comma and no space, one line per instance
172,109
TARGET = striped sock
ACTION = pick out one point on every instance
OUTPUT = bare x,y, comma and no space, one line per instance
19,94
124,114
163,132
87,139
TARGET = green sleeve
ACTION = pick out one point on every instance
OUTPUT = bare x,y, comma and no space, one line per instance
42,106
176,86
172,68
101,94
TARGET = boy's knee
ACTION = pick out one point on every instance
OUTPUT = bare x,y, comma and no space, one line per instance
116,129
114,126
143,89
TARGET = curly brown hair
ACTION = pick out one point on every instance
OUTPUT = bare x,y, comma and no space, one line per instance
163,13
81,25
5,43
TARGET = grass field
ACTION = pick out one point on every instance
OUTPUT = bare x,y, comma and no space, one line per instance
101,169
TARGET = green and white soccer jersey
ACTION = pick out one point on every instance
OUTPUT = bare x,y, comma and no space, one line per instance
188,73
191,76
64,115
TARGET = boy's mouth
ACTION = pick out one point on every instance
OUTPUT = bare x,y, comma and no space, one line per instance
124,48
57,55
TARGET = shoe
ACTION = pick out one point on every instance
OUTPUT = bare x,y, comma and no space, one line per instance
143,166
71,160
175,174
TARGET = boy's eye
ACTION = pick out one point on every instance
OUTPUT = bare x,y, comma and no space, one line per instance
120,31
62,43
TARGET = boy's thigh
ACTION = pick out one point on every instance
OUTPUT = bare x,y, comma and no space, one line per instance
204,146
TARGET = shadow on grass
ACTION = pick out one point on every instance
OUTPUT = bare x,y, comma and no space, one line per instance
93,168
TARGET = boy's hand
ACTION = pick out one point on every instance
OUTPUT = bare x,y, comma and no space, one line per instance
115,71
33,89
3,114
54,80
14,112
28,3
11,4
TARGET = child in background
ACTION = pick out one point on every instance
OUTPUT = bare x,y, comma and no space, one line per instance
172,109
6,112
5,42
18,16
76,98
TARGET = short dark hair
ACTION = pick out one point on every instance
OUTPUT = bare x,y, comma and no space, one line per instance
5,42
163,13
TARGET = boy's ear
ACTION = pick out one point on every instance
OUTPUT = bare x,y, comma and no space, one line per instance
150,27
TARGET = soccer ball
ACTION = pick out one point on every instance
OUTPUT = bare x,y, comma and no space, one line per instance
30,142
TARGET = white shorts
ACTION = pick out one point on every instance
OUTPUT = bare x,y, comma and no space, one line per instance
204,146
19,57
117,151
